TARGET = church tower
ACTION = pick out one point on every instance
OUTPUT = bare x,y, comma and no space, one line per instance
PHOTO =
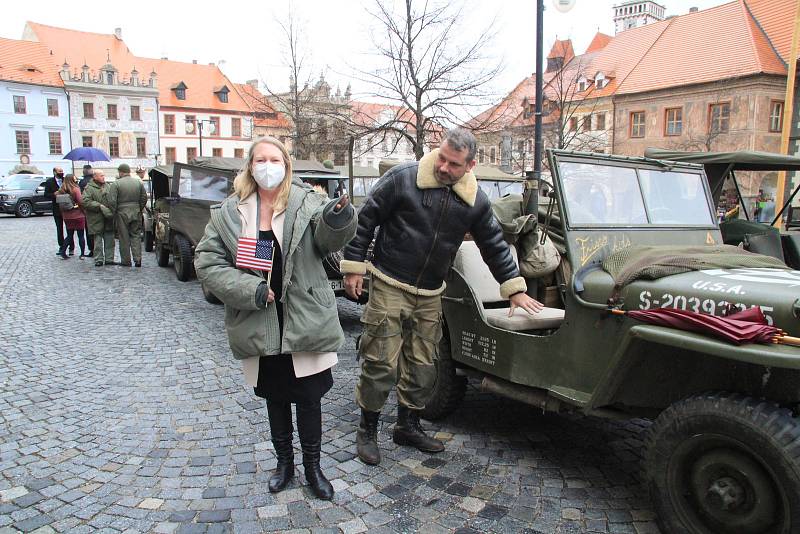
635,13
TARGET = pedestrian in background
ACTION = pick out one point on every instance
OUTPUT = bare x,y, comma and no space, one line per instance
423,210
51,187
99,219
127,198
84,181
74,218
283,325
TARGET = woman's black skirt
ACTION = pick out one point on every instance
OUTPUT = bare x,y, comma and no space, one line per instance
277,382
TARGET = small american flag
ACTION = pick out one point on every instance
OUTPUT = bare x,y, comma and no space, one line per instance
255,254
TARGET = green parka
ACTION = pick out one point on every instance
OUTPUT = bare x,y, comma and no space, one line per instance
95,205
311,231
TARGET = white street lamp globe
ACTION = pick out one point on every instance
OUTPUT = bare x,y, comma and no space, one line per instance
563,5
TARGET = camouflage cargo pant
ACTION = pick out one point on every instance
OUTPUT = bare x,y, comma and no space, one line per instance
398,346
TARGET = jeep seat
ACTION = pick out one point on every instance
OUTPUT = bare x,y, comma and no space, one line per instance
470,264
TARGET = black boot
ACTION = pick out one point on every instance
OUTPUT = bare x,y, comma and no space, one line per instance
367,438
309,426
280,426
408,431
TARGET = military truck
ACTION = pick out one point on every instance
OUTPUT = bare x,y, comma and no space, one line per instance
723,452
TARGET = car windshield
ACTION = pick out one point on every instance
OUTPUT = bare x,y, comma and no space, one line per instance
604,195
497,188
19,181
203,184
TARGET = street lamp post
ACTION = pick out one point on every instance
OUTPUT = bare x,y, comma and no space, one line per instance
211,128
532,185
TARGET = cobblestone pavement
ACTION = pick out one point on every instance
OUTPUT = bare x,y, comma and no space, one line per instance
121,410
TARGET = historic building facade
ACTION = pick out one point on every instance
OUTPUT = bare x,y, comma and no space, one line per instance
116,114
34,114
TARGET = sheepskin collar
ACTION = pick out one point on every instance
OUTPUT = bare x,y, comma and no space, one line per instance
466,188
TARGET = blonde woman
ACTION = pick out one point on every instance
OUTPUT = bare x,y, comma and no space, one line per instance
74,218
283,324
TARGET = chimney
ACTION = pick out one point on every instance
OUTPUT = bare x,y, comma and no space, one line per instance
252,83
693,10
118,33
194,62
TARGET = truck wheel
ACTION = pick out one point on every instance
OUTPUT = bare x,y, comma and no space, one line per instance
210,297
148,241
722,462
24,209
449,388
182,257
162,255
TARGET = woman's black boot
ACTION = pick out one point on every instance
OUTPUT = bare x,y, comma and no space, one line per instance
280,426
309,426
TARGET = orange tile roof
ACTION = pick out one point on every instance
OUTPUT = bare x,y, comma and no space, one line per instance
27,62
562,48
775,19
259,104
503,114
599,42
684,54
94,49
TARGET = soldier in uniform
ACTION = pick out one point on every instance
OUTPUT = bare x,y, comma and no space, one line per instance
99,220
127,198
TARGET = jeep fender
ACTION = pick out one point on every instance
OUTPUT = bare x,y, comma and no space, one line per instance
655,366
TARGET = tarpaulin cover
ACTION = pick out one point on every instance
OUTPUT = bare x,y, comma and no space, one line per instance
653,262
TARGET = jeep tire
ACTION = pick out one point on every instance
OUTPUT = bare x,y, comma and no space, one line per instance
182,258
449,388
723,463
162,254
148,241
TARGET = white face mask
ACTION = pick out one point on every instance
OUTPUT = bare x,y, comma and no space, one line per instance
268,175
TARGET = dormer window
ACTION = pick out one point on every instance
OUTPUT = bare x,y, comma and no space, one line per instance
180,90
222,93
600,80
583,83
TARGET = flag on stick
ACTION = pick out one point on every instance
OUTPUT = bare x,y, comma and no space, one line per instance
255,254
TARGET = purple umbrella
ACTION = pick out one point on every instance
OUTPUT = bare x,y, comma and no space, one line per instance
87,153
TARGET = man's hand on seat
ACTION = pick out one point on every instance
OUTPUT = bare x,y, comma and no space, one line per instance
522,300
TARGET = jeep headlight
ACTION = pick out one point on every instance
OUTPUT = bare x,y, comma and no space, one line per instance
10,196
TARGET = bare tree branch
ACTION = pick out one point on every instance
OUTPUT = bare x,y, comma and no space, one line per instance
429,76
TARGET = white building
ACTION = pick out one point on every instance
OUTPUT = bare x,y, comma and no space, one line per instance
635,13
199,99
34,115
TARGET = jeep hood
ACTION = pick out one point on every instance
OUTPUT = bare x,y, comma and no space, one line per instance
776,291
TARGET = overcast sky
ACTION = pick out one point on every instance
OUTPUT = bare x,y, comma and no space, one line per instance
337,32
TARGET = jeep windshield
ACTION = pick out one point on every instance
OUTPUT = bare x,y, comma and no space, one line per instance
609,195
499,188
203,184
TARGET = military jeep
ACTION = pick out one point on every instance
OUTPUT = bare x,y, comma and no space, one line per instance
180,210
723,452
